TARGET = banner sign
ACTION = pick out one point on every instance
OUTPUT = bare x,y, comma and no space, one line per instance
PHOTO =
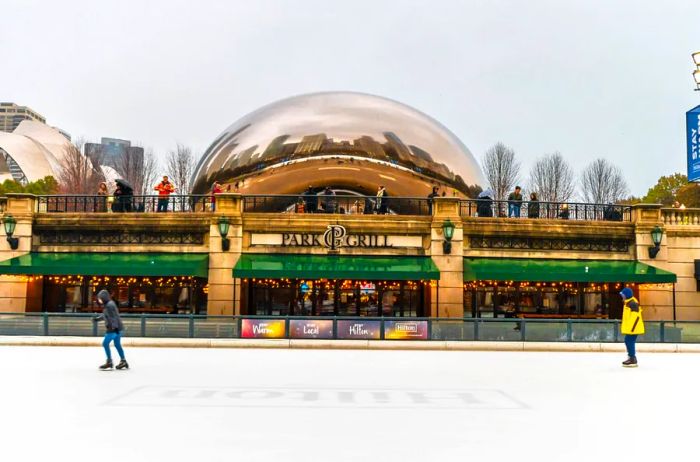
406,330
359,330
320,328
692,123
262,328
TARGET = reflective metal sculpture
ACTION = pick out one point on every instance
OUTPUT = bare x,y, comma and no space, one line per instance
352,142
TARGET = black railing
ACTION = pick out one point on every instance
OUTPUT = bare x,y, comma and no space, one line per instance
546,210
297,327
338,204
118,204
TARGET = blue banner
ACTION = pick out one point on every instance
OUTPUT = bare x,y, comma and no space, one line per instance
692,123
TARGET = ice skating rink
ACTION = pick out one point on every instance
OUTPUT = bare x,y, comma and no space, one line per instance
342,405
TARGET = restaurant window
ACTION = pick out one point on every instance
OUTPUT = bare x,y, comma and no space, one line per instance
335,298
163,295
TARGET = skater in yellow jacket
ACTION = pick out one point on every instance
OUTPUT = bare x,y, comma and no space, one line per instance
632,325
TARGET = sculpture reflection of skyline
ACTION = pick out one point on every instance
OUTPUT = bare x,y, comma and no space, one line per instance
392,140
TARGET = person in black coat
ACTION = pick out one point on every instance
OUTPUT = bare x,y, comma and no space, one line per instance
533,207
310,200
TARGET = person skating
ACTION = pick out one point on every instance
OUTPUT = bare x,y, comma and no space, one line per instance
632,325
114,327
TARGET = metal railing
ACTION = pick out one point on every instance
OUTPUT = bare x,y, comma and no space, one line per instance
545,210
425,329
337,204
120,204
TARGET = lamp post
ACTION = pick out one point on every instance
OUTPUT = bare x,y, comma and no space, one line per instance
224,224
696,73
10,223
448,230
656,235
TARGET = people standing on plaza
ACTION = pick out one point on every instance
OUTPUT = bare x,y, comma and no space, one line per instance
164,188
515,200
310,200
484,203
533,208
381,200
123,196
632,325
215,189
328,200
564,213
432,196
356,208
114,328
102,194
299,206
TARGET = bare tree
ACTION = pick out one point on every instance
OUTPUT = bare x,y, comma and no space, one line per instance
130,165
552,178
78,175
501,169
603,183
150,172
179,167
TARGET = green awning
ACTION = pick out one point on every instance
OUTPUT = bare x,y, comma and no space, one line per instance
335,267
546,270
108,264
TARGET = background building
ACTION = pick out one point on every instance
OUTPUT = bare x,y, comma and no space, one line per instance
111,152
12,114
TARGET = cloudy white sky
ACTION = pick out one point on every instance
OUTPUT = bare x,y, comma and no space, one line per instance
587,78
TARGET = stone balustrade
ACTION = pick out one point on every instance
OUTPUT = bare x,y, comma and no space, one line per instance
687,217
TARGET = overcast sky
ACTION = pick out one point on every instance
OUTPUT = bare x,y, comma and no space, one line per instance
587,78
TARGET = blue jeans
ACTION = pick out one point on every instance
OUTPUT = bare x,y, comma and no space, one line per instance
630,341
514,210
163,205
116,337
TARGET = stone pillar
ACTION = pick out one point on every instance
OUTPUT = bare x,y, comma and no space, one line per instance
223,290
13,289
451,283
656,300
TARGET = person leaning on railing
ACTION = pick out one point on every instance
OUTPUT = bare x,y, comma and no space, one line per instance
533,207
164,188
215,189
102,195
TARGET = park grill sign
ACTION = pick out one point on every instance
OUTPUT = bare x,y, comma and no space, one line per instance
335,237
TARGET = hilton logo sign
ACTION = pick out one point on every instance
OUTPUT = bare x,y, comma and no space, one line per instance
335,237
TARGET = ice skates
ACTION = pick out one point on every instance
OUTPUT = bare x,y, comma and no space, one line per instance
107,366
123,364
631,362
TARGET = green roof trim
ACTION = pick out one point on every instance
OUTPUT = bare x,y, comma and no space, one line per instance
548,270
335,267
108,264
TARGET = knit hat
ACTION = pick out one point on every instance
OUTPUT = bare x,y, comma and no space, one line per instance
627,293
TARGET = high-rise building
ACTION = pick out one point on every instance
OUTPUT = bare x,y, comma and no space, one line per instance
112,151
11,115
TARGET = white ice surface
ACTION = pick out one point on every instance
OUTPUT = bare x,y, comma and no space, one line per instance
306,405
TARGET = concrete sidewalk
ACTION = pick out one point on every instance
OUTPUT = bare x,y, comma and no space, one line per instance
351,344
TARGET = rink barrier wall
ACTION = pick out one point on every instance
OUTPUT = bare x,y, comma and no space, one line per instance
136,342
264,331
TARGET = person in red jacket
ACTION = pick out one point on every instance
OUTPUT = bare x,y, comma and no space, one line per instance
164,188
